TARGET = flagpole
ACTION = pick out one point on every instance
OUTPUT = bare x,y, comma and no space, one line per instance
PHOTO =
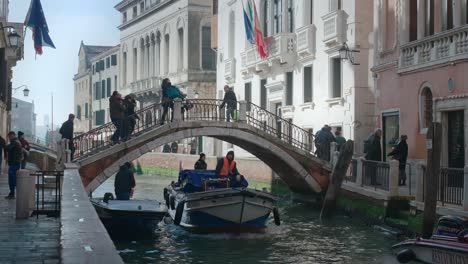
53,130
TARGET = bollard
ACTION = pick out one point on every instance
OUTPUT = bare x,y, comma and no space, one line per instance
25,185
242,111
393,177
177,110
419,183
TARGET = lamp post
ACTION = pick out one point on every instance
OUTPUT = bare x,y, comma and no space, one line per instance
13,37
347,54
25,90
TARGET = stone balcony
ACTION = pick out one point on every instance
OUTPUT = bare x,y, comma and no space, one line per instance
230,70
334,28
143,86
439,49
306,41
282,50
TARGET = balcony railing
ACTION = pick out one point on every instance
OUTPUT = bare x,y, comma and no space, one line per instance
282,49
230,69
146,84
306,41
441,48
334,28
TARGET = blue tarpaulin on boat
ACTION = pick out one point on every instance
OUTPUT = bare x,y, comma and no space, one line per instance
193,179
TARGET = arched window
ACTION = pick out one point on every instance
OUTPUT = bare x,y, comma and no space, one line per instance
208,55
166,54
180,63
426,108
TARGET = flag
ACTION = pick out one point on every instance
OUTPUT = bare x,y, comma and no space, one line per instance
261,48
35,20
248,26
249,10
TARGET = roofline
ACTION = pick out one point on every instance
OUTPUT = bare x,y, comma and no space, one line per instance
123,4
106,53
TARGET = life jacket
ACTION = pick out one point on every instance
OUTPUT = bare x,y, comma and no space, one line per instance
227,168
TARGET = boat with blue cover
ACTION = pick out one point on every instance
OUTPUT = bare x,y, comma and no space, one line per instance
201,202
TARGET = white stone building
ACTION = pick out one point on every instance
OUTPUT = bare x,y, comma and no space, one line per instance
23,117
167,39
303,79
83,87
105,70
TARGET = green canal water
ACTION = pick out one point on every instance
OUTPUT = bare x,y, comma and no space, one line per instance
301,238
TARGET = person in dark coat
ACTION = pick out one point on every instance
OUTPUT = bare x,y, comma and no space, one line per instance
323,139
67,133
124,182
26,148
230,101
131,116
166,102
339,139
117,115
400,153
14,158
201,164
373,153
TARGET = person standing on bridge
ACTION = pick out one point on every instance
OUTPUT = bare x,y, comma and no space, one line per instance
201,164
166,101
400,153
323,140
67,133
124,182
230,100
117,115
130,115
14,157
26,148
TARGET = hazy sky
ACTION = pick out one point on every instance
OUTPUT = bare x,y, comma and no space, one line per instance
93,21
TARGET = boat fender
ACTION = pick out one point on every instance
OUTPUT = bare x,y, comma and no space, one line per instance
276,216
107,197
172,202
167,220
166,196
179,212
405,256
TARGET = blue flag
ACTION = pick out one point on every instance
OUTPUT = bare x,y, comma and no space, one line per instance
35,20
248,28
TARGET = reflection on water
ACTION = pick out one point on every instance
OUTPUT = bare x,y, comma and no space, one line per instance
301,238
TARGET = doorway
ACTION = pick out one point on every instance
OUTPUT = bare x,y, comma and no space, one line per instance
391,132
456,139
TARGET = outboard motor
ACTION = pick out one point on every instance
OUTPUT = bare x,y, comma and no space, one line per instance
107,197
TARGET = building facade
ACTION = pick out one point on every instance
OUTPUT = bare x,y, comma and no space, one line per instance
167,39
9,55
105,70
303,79
23,117
420,74
83,87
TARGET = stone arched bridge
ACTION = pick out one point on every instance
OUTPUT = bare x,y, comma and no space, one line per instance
286,148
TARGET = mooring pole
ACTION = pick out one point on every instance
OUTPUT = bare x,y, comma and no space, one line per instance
338,174
431,181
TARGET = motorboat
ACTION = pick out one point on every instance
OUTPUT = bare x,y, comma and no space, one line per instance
129,215
448,245
201,202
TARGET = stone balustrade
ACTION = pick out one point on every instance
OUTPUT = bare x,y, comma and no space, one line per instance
230,69
334,28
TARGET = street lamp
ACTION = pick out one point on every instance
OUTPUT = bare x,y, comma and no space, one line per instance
25,90
347,54
13,37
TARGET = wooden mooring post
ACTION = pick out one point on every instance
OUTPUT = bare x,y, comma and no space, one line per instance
431,181
338,174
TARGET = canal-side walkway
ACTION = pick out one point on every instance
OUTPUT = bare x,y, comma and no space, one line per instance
26,241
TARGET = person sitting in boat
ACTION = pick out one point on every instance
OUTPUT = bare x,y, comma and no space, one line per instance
226,167
124,182
201,164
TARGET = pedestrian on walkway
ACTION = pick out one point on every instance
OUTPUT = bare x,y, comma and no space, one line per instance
373,151
400,153
2,151
117,115
67,133
131,116
230,101
124,182
323,140
26,148
14,158
340,140
201,164
166,102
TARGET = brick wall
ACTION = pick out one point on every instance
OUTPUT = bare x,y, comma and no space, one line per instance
251,168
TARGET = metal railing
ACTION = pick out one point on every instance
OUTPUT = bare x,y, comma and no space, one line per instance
48,193
451,185
376,174
194,110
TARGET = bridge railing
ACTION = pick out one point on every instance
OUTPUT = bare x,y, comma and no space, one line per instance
149,117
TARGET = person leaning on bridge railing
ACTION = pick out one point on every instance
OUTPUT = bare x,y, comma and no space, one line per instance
67,133
169,93
231,101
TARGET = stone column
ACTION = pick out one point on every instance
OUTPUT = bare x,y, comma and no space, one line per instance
177,110
421,18
465,189
457,13
24,194
242,111
419,183
393,178
157,58
285,14
359,171
437,16
403,21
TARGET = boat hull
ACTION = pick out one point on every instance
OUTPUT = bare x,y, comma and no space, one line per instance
440,251
219,211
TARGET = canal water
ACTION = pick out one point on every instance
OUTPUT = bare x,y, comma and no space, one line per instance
301,238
